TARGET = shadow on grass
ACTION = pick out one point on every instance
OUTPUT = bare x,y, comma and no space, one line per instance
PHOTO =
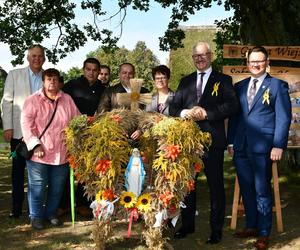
17,233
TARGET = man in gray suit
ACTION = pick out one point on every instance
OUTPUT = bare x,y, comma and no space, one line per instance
19,84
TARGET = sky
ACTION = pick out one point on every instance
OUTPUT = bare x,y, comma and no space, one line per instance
138,26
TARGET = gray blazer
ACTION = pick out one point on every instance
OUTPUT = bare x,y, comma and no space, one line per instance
153,105
16,90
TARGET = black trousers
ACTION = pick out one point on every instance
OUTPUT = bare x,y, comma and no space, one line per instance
17,177
80,198
213,162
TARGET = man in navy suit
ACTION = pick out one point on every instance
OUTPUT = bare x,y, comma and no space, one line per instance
259,133
207,97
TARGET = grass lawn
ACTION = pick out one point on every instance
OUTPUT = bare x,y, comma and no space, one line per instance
17,234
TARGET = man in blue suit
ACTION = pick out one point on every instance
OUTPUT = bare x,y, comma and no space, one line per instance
259,133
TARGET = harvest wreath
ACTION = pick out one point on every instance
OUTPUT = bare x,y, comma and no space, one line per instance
170,149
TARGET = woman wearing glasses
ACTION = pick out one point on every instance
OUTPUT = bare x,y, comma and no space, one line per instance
163,96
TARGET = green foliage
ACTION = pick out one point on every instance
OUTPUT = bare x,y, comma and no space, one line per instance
72,73
3,75
141,57
23,22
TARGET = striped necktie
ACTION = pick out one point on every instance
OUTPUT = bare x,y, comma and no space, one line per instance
251,93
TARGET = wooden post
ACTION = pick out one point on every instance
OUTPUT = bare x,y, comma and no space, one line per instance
238,205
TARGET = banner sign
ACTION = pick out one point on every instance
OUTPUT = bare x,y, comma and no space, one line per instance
289,53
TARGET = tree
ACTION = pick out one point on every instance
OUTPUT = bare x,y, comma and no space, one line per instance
141,57
23,22
72,73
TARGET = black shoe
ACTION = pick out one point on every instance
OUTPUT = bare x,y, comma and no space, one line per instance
55,222
14,215
181,233
214,238
37,224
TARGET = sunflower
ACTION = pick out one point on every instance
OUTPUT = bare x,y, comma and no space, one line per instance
144,203
128,199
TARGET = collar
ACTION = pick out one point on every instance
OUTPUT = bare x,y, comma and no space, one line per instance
207,71
35,74
260,79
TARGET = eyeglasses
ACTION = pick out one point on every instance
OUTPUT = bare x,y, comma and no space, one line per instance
195,56
256,62
160,78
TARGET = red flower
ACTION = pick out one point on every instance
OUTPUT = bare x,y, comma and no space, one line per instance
103,166
172,152
72,163
166,198
90,119
191,185
198,167
117,118
108,195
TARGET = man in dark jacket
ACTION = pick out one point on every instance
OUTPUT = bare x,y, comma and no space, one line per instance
207,97
86,91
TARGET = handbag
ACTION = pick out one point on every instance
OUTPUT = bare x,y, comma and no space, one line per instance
21,148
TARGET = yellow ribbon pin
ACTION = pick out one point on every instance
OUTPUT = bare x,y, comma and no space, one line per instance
216,89
266,97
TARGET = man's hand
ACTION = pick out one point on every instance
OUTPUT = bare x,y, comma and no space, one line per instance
230,150
136,135
39,151
197,113
8,134
276,154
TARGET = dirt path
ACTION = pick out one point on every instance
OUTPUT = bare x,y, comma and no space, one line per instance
17,234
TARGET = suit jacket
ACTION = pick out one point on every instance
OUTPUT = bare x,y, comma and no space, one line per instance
109,98
219,105
16,90
266,124
154,102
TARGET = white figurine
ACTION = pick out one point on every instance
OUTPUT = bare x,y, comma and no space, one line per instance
135,173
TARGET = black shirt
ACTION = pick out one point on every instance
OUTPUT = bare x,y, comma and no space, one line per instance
85,96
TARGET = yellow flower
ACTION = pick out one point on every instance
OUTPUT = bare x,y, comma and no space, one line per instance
144,203
128,199
99,196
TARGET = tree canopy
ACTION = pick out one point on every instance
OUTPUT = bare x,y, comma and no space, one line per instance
23,22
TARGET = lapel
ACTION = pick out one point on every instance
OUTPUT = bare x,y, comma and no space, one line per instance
154,102
265,84
25,75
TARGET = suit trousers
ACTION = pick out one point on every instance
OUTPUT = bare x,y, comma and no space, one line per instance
213,161
17,176
254,172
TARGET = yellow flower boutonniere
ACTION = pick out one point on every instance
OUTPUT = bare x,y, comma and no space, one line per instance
266,97
216,89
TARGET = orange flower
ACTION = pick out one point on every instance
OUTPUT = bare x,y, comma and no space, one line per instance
90,119
158,119
198,167
108,195
172,152
191,185
117,118
103,166
166,198
144,155
72,163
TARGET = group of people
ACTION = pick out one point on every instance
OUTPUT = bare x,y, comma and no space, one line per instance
258,109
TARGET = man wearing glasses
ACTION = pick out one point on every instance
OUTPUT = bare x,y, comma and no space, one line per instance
259,133
207,97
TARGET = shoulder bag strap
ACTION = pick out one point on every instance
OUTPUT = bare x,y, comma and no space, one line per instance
49,120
